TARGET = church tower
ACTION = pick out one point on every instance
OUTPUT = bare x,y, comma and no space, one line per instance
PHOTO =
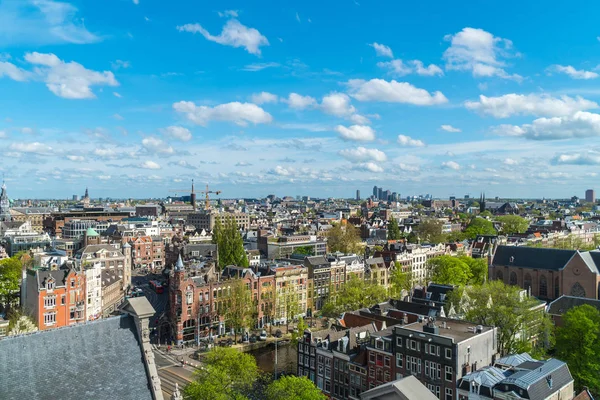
4,205
482,203
127,265
193,197
86,199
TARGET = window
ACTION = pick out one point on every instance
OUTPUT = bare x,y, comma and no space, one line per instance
50,318
543,286
448,373
50,285
399,342
386,361
448,394
379,344
49,301
449,353
371,357
371,372
399,360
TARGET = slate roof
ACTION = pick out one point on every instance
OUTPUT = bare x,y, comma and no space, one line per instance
512,360
532,257
592,260
537,381
99,360
565,303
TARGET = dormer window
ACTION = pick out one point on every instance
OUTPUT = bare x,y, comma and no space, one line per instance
50,285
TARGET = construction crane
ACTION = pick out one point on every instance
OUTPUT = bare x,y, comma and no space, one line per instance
207,193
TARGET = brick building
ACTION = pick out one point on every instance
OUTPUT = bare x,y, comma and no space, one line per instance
55,298
147,252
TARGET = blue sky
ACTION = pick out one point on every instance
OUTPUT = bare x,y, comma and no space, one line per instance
134,98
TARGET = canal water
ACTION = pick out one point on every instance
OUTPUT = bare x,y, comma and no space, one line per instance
287,358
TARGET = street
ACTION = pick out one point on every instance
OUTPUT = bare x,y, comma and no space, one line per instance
158,301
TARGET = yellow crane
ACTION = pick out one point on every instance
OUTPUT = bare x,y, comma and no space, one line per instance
207,194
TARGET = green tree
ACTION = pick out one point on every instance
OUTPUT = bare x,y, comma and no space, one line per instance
354,294
238,306
344,238
517,318
478,268
456,236
399,281
486,213
230,245
512,224
10,278
448,270
430,231
227,374
301,327
288,303
577,343
393,229
293,388
479,226
305,250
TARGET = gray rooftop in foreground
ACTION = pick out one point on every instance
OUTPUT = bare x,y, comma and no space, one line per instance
100,360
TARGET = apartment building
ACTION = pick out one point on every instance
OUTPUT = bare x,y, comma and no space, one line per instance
147,252
319,278
285,246
206,220
291,283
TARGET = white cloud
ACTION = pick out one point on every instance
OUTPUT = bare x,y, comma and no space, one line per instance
404,140
450,128
149,165
2,134
361,154
582,124
233,34
236,112
407,167
32,147
42,22
156,146
393,92
13,72
118,64
337,104
297,17
572,72
382,50
228,13
360,133
117,94
281,171
178,132
264,97
532,104
118,117
399,68
451,165
69,80
369,166
27,130
591,157
510,161
480,52
359,119
260,66
299,102
136,2
104,177
76,158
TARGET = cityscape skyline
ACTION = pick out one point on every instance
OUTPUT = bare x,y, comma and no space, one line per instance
302,105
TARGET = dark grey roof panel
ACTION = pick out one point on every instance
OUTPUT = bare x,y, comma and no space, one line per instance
100,360
532,257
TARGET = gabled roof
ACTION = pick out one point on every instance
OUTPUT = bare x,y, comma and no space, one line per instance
532,257
99,360
565,303
407,388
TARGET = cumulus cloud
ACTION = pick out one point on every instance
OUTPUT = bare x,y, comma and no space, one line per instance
31,147
359,133
382,50
531,104
156,146
242,164
233,34
480,52
264,97
281,171
228,13
407,167
369,166
393,92
337,104
582,124
510,161
13,72
239,113
400,68
591,157
178,132
451,165
183,164
76,158
149,165
359,119
69,80
572,72
404,140
361,154
450,128
299,102
107,153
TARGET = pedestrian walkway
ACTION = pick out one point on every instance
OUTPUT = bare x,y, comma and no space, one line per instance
169,376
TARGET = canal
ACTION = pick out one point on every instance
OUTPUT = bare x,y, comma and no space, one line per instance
286,358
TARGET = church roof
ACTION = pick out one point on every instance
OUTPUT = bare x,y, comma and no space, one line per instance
83,361
91,232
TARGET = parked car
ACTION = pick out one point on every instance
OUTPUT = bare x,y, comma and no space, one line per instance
263,336
253,339
278,333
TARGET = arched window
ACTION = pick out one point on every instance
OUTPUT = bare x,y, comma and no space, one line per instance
499,276
577,290
527,282
513,278
543,287
556,288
